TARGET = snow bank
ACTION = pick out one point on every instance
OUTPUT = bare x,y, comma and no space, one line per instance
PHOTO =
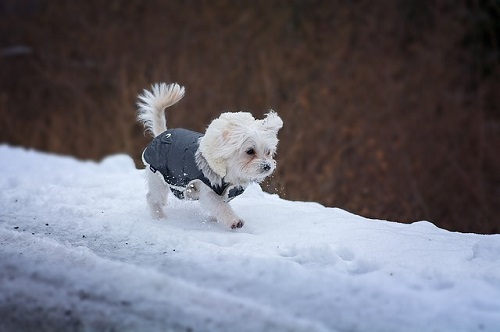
78,251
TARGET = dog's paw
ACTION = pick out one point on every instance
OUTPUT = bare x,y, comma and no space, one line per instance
156,211
158,214
237,224
192,191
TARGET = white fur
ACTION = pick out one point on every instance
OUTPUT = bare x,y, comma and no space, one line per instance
236,149
152,105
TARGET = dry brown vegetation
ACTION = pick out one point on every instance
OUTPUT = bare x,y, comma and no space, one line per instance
391,108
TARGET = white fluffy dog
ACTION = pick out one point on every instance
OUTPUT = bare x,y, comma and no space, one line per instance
235,150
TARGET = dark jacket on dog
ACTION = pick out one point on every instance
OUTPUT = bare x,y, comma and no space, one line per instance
172,153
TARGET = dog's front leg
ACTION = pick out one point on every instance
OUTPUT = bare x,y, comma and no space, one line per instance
221,210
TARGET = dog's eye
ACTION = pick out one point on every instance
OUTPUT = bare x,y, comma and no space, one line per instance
250,152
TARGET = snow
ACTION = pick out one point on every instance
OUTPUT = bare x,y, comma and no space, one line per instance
79,251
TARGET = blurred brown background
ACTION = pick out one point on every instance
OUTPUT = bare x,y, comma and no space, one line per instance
391,108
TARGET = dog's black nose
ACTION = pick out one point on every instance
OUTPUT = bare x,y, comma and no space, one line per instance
265,167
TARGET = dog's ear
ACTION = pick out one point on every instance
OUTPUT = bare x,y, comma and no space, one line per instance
232,120
234,126
272,122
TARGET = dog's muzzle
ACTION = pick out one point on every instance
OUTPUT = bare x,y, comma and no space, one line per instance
265,167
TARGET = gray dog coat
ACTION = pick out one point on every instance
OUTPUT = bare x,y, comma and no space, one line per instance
172,153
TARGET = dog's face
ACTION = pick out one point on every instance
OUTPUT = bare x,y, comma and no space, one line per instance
240,148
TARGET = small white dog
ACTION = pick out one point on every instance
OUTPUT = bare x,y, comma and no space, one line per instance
235,150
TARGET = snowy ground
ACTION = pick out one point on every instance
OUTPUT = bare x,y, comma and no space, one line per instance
78,251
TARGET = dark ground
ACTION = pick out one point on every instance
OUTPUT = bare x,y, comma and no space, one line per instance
391,108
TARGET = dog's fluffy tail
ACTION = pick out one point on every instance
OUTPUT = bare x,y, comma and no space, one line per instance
152,105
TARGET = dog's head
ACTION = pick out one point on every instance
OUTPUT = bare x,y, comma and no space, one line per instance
239,148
